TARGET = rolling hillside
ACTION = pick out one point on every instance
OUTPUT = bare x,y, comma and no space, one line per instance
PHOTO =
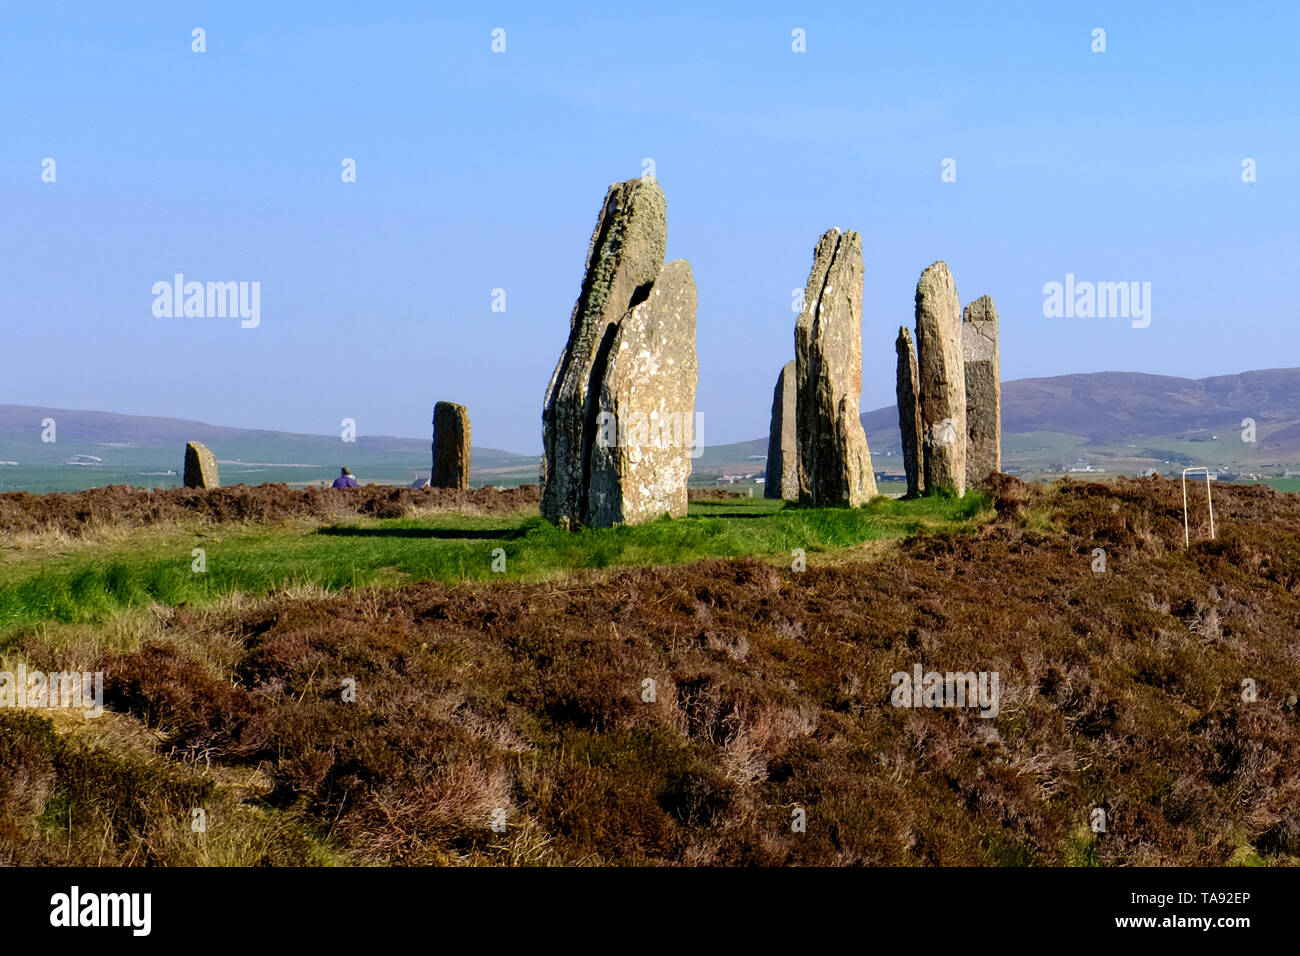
1113,406
1123,422
1129,421
139,450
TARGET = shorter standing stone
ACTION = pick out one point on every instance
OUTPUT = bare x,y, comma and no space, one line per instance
450,446
782,478
909,411
979,343
200,467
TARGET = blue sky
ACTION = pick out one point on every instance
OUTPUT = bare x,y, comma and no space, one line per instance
479,170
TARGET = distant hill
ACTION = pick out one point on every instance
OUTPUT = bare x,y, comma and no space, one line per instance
1122,418
1107,421
141,450
1116,421
1117,405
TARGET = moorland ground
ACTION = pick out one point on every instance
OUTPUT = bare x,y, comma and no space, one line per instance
522,692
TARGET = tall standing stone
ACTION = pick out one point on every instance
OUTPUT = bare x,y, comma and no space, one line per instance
200,467
943,380
450,446
834,461
645,419
909,410
979,343
623,260
782,478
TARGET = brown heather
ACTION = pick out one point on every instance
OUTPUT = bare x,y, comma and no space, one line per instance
1119,690
79,512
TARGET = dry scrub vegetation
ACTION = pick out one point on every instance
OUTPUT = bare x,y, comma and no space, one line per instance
74,514
1119,690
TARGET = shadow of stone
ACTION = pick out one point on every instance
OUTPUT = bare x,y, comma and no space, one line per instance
448,534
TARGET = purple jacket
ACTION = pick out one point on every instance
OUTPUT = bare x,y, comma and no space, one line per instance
345,481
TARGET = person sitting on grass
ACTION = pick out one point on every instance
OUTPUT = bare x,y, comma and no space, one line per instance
345,480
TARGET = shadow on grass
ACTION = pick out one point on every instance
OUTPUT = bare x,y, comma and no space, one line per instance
442,533
734,514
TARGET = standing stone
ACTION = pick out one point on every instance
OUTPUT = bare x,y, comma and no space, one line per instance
943,380
200,467
834,461
979,343
450,446
782,478
623,260
645,418
909,410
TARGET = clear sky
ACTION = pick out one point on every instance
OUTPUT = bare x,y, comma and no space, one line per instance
478,170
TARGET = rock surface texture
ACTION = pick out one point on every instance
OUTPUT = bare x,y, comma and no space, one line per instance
623,260
450,446
909,410
618,426
942,379
834,461
645,419
782,477
979,342
200,467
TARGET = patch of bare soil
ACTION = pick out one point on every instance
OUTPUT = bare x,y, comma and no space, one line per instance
713,494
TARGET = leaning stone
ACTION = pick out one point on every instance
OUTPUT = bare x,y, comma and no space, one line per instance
834,461
942,379
623,260
909,410
450,446
979,342
200,467
645,418
782,478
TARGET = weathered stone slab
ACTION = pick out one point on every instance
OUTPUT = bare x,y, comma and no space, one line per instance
782,477
943,380
979,342
645,420
909,410
834,461
623,260
200,467
451,456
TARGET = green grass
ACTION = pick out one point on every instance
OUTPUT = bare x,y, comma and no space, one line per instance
1278,484
88,582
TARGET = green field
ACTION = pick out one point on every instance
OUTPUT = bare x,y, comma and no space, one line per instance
249,457
1278,484
85,581
370,469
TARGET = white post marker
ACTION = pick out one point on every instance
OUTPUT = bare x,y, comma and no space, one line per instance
1187,537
